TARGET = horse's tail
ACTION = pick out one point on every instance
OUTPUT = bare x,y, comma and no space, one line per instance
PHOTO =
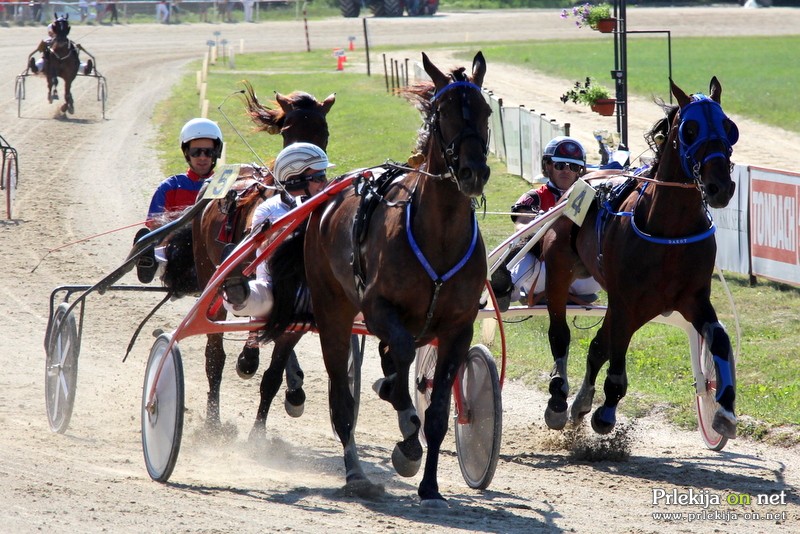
291,301
180,275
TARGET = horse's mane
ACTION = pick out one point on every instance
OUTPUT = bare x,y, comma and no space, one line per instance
421,95
656,137
270,119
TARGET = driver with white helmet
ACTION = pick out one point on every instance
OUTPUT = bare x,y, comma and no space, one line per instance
201,144
563,162
300,170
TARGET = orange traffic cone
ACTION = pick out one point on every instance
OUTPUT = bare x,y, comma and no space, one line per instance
340,63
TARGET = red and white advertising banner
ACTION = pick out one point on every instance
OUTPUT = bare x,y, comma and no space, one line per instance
774,220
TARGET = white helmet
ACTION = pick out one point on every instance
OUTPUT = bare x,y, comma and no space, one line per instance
566,149
201,129
294,160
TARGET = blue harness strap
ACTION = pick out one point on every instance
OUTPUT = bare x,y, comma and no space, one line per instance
424,261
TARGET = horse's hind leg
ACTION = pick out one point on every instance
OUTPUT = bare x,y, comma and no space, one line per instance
335,343
248,360
719,344
557,289
271,381
555,415
215,362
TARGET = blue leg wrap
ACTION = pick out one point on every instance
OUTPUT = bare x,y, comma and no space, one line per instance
608,415
723,376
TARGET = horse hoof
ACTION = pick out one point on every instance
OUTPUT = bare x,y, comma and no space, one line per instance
247,363
258,434
600,425
383,387
555,420
364,489
724,423
434,504
404,466
295,402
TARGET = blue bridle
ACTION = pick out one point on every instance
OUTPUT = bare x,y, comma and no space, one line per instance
711,122
450,150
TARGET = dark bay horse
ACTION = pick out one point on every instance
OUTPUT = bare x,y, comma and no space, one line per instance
415,269
61,61
298,116
653,251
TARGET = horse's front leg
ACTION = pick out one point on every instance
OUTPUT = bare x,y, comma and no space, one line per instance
399,354
52,88
67,106
610,343
718,342
452,352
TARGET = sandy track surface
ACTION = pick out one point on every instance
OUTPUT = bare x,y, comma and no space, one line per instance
84,175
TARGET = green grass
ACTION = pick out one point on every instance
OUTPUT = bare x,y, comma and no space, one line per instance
369,126
756,78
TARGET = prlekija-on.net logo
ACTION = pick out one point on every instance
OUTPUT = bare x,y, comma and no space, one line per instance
705,505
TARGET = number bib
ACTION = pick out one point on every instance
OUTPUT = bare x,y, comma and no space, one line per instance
579,201
221,181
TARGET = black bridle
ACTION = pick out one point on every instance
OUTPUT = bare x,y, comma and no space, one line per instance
450,151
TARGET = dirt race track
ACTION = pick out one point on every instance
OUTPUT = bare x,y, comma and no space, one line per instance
85,175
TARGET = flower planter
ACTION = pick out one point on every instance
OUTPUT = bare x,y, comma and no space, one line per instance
606,25
604,106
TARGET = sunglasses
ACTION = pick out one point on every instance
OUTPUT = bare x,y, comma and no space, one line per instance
561,165
197,152
318,177
298,183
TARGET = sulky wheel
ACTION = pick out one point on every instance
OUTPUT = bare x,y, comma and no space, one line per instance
9,178
479,423
162,408
102,94
706,401
354,360
61,370
422,382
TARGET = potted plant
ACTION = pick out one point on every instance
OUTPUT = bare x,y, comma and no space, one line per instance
597,17
590,93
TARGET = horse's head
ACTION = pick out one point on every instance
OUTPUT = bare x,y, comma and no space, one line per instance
705,137
61,27
298,117
459,124
304,118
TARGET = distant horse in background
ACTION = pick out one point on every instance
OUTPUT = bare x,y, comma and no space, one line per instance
298,117
61,61
651,246
412,261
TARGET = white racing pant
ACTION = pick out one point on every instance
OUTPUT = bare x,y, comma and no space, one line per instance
258,303
531,272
